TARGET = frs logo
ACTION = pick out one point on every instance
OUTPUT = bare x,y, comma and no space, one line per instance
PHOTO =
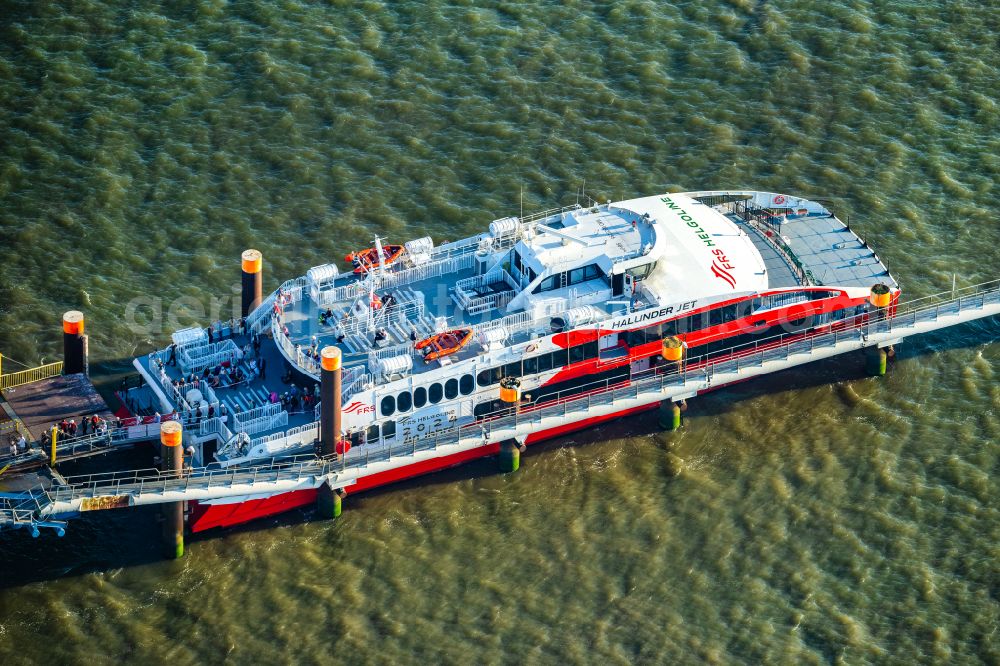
721,268
359,408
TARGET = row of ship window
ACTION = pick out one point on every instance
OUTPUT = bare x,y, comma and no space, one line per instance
433,394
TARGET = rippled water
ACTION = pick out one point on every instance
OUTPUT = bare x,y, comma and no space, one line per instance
821,516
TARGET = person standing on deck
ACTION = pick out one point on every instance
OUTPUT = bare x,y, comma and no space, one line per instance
211,334
261,366
84,424
173,355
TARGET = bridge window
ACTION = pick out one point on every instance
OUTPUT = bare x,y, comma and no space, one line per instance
640,272
419,397
548,284
404,401
388,405
436,393
467,384
451,389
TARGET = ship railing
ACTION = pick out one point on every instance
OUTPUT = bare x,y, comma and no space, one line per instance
290,440
535,217
496,301
362,383
403,312
112,437
294,351
31,375
257,321
433,268
196,359
243,421
951,295
252,426
145,481
770,227
387,352
204,427
160,373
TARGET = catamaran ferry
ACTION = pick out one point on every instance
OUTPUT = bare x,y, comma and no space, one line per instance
406,359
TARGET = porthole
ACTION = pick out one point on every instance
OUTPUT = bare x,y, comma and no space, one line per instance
388,405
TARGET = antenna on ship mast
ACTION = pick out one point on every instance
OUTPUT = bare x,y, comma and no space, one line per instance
522,203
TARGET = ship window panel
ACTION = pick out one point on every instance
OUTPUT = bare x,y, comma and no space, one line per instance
531,274
389,429
372,434
484,408
548,284
640,272
388,405
559,358
591,272
451,389
743,309
530,365
483,378
576,354
544,362
404,401
590,350
668,328
512,369
435,393
466,384
576,276
419,397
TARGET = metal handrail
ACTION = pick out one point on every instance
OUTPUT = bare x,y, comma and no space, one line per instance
31,375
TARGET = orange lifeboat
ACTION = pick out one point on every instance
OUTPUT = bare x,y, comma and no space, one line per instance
444,344
366,260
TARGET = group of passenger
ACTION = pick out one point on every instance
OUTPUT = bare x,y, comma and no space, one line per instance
89,425
18,445
296,401
215,377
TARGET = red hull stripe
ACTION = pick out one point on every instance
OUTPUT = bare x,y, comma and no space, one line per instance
207,516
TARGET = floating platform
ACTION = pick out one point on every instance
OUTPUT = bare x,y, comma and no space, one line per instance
43,404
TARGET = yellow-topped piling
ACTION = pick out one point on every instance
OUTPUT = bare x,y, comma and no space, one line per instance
330,396
74,343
